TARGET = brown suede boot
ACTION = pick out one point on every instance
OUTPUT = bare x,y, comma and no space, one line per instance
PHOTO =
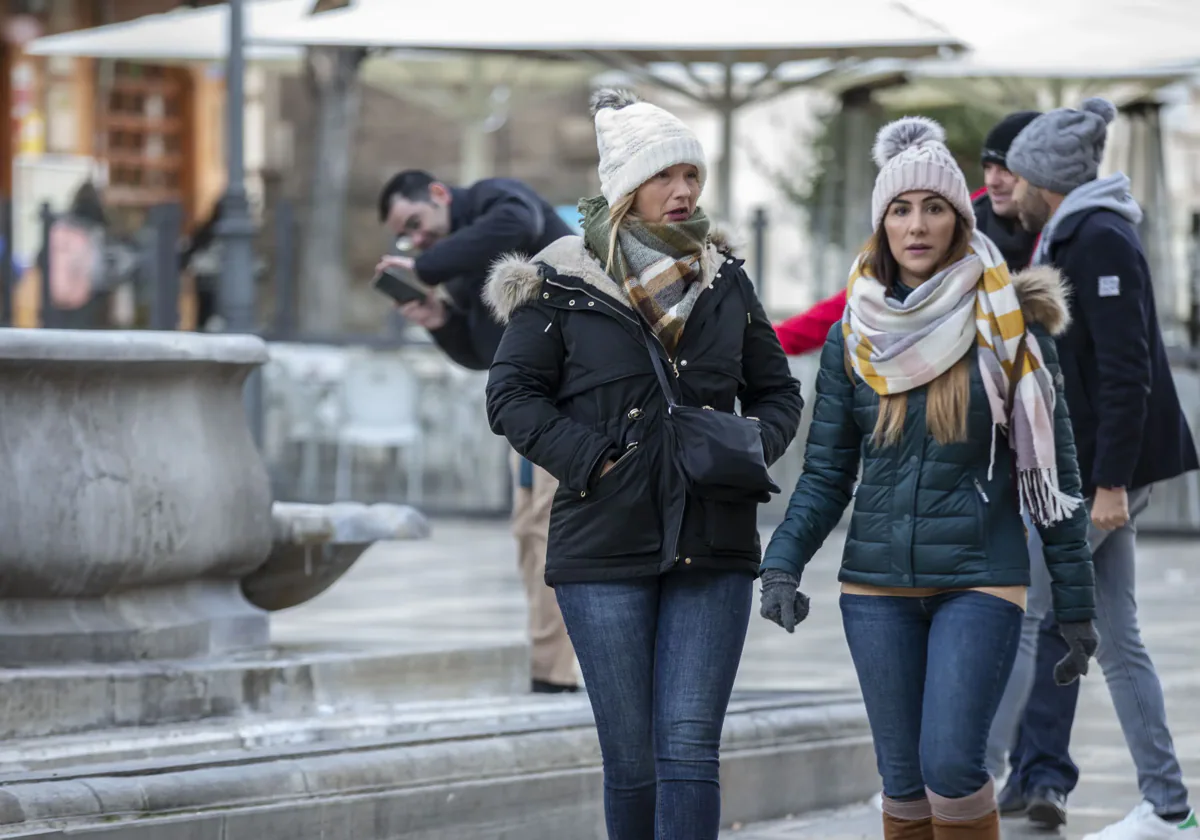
986,827
898,829
973,817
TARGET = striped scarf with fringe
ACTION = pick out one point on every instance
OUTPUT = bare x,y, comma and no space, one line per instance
895,347
657,264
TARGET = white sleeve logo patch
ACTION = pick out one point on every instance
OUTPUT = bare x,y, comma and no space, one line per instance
1110,286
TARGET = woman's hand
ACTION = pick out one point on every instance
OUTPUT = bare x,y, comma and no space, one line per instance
1082,639
782,600
608,465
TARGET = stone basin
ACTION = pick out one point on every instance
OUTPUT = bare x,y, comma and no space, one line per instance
314,545
137,511
134,500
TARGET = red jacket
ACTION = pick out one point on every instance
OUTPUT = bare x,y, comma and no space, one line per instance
807,331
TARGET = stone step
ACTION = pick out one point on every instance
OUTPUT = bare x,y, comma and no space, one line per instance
284,681
508,767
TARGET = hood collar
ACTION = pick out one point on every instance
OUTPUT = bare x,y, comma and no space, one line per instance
515,281
1044,296
1112,193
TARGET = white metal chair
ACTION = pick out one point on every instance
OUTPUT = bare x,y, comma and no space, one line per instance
380,409
304,382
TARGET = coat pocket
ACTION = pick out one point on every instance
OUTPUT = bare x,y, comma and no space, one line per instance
620,516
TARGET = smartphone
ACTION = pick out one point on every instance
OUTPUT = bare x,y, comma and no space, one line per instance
401,285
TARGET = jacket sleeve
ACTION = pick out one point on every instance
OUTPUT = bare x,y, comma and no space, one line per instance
831,459
771,393
1111,284
454,338
806,332
508,223
523,380
1064,544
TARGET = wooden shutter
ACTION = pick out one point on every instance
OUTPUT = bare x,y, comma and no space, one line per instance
145,129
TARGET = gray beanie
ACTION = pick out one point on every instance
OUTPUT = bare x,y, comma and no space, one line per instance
1062,149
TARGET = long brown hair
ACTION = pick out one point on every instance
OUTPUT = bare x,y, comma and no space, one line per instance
948,396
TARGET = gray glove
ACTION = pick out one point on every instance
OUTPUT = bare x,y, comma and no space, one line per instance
1083,640
782,600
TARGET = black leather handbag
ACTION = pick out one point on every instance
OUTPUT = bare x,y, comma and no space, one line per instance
719,455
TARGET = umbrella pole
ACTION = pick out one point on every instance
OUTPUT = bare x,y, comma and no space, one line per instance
726,106
235,228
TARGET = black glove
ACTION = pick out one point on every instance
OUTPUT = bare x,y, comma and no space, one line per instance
782,600
1083,640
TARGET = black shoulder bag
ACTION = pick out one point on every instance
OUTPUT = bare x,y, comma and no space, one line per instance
718,455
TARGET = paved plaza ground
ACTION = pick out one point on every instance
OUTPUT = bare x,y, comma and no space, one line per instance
462,586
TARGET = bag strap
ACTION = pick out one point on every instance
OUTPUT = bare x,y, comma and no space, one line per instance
652,348
652,345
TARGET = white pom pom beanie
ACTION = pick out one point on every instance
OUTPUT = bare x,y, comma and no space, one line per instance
911,154
638,140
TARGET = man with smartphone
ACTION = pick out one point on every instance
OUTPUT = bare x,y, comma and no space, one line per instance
459,232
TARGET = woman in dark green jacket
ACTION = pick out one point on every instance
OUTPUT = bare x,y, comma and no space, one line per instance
943,382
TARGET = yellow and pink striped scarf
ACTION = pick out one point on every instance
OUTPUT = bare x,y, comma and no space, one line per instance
898,346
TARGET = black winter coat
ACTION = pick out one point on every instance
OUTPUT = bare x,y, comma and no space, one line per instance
1129,427
493,217
927,515
573,385
1015,243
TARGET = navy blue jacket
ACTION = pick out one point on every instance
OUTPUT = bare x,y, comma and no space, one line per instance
1129,428
493,217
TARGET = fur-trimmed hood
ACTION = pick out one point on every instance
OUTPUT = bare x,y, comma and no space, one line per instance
1044,296
515,281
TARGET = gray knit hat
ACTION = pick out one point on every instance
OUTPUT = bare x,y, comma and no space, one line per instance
1062,149
911,155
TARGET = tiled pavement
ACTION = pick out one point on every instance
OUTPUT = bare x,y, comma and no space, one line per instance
462,586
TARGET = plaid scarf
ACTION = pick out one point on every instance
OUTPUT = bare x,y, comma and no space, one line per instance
896,347
656,264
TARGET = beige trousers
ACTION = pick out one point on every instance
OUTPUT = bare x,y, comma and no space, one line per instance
553,658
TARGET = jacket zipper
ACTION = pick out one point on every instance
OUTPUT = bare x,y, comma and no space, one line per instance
979,490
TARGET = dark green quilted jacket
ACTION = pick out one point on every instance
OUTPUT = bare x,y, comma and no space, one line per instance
927,515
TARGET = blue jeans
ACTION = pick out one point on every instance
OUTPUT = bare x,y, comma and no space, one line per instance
1035,713
932,671
1040,755
659,656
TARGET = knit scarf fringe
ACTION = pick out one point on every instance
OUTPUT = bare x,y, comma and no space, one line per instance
1041,498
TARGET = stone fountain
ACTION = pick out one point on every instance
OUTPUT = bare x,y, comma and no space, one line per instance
144,700
142,553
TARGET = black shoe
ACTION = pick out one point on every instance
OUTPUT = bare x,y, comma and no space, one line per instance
543,687
1047,809
1011,801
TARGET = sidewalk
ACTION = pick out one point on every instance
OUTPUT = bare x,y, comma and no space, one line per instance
462,586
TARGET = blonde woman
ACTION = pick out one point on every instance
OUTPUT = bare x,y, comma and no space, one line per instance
654,574
942,381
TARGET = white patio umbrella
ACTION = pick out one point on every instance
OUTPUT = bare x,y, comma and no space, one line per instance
201,35
180,36
1052,53
752,47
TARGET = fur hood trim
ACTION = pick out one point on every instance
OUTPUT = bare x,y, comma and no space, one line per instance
515,281
1045,297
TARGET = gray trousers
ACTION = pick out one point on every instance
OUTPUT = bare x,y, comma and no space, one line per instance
1132,681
